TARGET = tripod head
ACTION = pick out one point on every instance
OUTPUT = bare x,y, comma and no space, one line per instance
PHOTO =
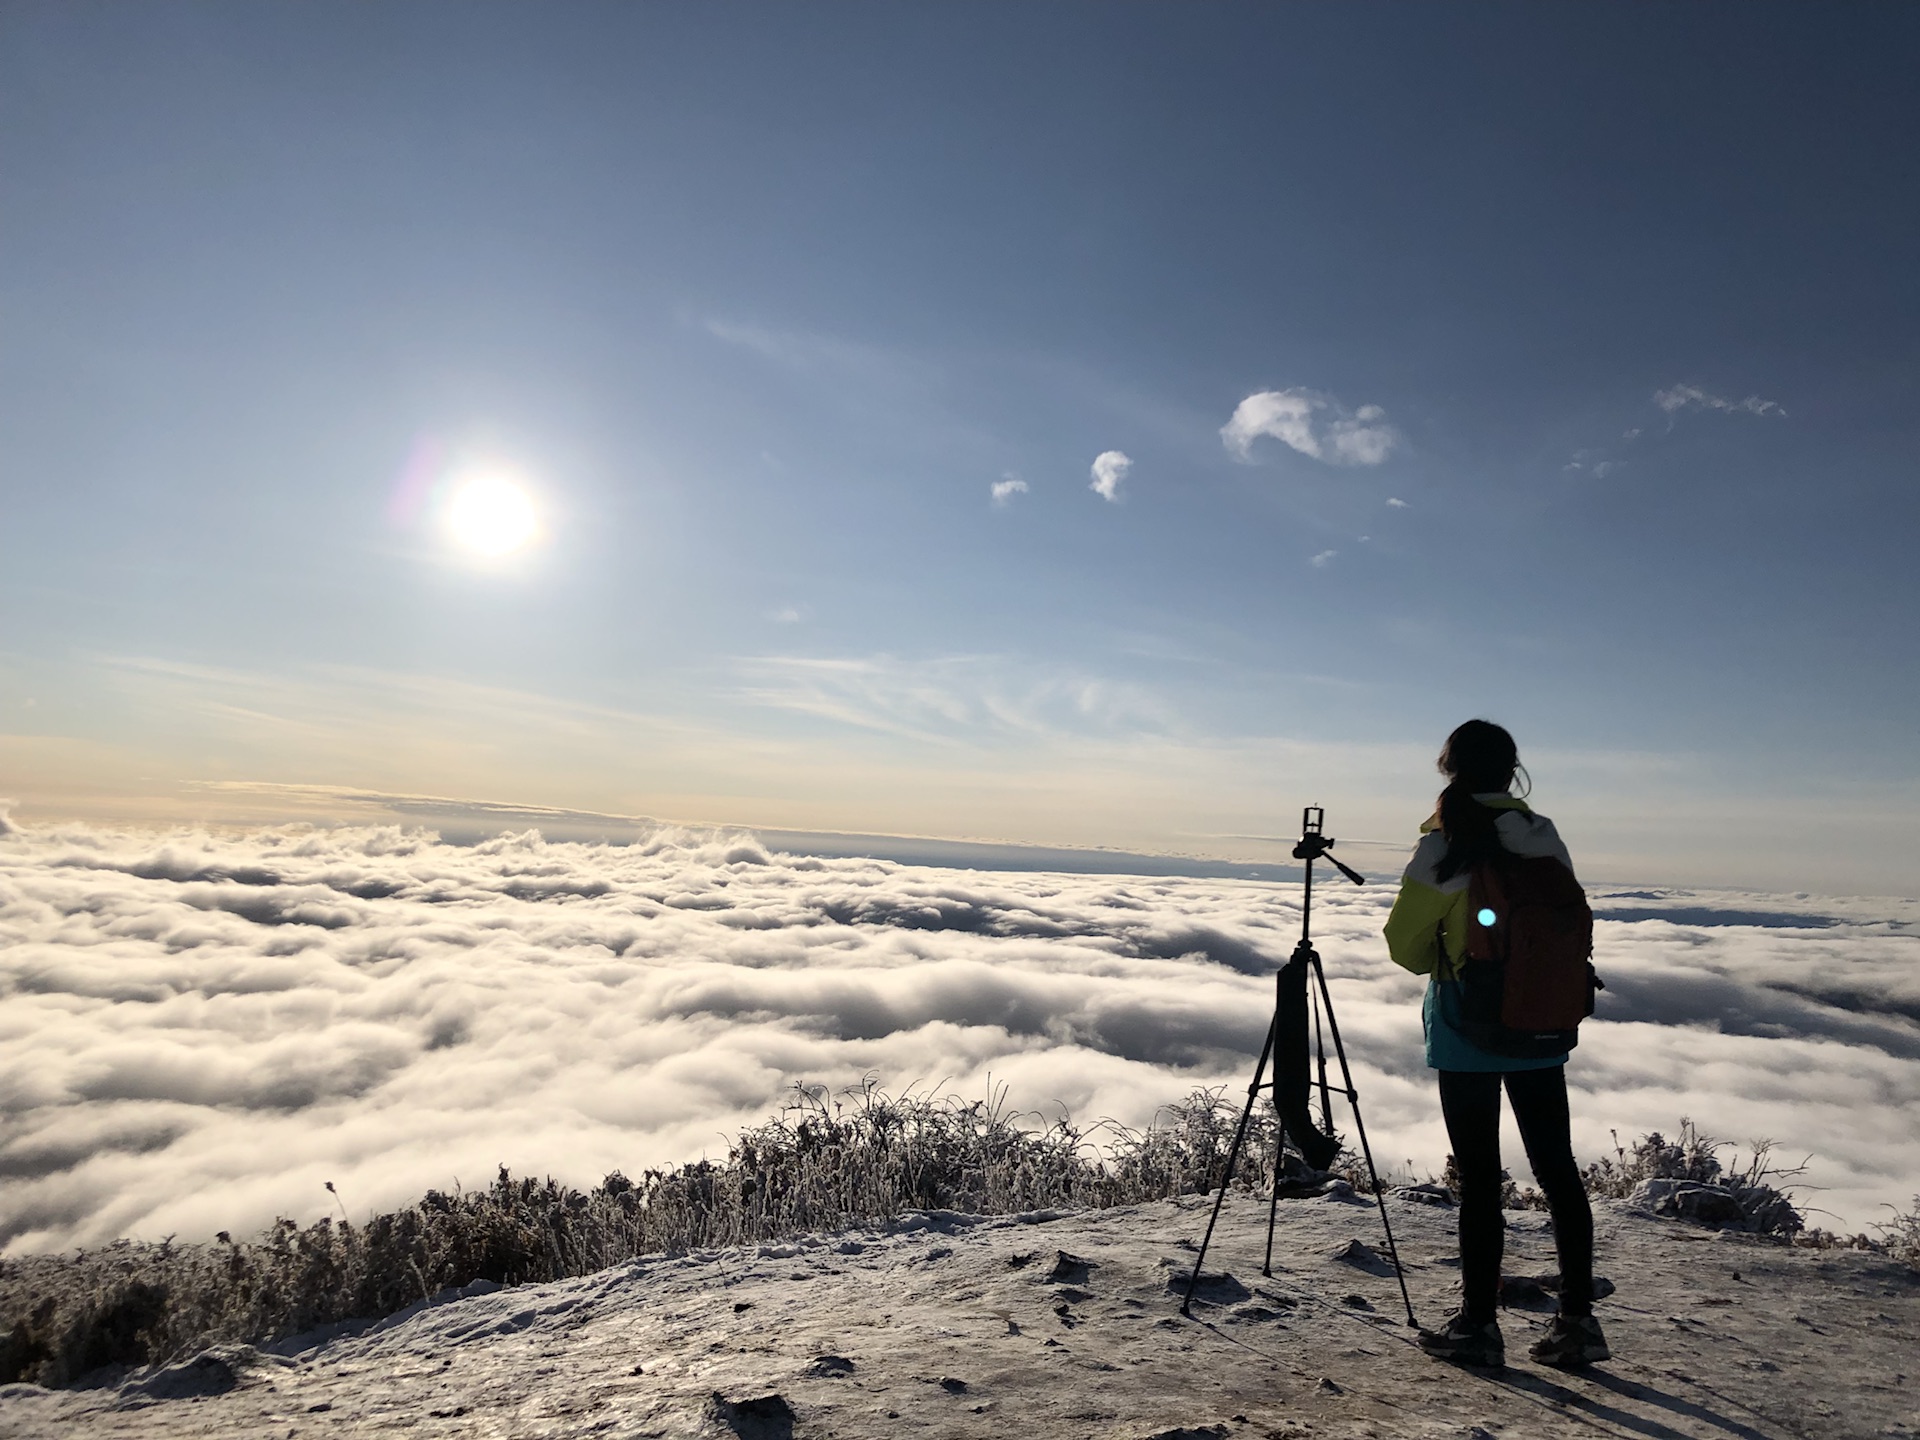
1315,843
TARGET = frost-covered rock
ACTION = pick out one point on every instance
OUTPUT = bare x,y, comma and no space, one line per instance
211,1372
1759,1208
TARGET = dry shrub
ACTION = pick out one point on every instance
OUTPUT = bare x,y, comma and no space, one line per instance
1900,1236
1693,1156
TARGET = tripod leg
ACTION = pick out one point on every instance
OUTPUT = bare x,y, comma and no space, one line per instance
1233,1158
1360,1128
1279,1171
1320,1058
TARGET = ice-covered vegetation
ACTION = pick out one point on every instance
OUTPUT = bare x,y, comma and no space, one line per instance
1901,1235
823,1163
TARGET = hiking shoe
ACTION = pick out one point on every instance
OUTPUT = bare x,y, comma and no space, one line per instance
1570,1342
1466,1343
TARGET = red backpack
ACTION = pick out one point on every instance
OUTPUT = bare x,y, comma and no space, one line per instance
1527,976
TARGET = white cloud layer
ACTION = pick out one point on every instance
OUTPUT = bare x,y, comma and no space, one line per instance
198,1031
1692,397
1110,467
1314,424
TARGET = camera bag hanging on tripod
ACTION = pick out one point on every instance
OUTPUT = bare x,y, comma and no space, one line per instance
1291,1078
1527,977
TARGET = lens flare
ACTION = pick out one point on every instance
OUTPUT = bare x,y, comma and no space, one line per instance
1486,918
491,515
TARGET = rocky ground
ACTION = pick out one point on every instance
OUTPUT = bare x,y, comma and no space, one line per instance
1069,1325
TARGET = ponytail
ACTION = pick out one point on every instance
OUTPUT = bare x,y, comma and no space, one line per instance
1470,828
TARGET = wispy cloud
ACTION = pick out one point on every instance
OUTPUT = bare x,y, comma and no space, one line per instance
1692,397
811,352
1591,463
1006,487
887,390
1048,748
1086,748
1110,467
1323,559
957,698
1396,503
1673,401
768,344
1316,425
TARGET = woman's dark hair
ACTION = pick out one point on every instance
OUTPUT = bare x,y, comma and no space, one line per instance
1478,757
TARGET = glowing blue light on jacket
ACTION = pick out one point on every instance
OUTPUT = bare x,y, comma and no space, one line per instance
1486,918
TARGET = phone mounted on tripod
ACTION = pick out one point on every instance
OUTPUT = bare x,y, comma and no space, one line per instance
1314,843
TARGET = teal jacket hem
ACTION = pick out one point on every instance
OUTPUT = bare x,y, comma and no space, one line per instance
1448,1049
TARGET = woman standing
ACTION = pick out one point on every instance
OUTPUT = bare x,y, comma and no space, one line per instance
1427,933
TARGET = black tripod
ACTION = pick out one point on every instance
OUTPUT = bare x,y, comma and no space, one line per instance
1286,1046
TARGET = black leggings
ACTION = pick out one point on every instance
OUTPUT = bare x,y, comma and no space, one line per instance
1470,1101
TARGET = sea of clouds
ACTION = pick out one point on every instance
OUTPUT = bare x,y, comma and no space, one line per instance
199,1031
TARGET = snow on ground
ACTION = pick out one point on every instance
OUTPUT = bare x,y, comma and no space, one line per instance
199,1031
1067,1325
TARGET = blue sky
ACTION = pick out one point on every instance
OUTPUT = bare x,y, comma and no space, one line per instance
759,303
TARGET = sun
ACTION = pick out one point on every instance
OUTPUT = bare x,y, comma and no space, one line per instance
491,515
